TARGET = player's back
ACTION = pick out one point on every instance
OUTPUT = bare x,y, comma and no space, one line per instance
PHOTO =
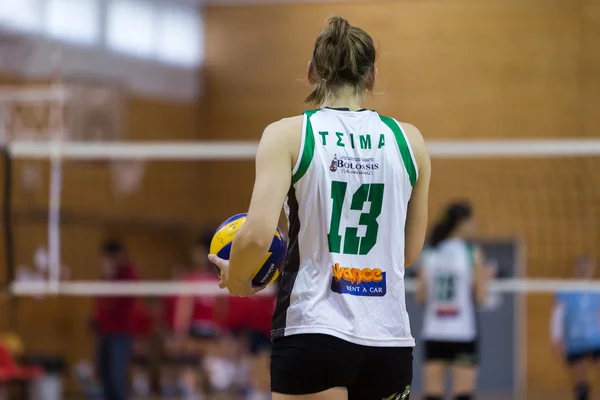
450,307
582,320
344,273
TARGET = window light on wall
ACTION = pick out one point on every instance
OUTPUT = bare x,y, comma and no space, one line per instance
131,27
73,20
21,15
179,36
165,31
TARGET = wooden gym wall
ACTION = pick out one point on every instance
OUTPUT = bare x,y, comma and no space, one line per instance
157,224
455,69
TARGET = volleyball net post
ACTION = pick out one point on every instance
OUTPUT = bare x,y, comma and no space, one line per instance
32,113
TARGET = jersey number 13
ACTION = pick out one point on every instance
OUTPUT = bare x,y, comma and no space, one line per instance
445,288
352,243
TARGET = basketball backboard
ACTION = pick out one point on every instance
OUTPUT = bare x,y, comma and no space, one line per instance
15,51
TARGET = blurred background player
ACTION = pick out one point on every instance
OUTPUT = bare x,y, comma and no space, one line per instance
259,344
115,323
143,361
171,346
197,321
451,283
250,318
575,328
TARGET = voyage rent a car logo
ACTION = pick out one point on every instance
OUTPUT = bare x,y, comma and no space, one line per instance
358,281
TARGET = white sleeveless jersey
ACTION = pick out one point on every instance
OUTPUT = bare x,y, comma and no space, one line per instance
450,310
346,208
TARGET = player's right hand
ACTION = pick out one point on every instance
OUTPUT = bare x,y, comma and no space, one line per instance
239,289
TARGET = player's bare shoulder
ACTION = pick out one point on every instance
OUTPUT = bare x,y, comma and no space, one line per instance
417,143
287,126
414,135
288,134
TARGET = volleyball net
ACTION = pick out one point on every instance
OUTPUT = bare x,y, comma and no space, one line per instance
65,192
146,195
544,195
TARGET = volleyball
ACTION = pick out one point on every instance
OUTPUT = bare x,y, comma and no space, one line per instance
268,271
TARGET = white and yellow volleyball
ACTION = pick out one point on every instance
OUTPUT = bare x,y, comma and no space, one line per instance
268,271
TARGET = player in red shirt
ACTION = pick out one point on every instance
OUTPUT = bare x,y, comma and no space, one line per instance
195,316
144,325
114,320
193,321
172,345
251,317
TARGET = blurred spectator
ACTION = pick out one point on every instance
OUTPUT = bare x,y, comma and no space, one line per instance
114,322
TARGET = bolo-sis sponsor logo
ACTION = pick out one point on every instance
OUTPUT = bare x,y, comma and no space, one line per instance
353,165
358,281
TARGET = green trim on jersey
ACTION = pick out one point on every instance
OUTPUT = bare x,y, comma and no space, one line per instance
470,253
404,148
308,150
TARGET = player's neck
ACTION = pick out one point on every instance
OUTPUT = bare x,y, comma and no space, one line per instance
345,97
455,237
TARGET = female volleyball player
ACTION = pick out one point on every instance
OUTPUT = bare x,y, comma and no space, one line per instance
576,328
356,184
115,323
451,282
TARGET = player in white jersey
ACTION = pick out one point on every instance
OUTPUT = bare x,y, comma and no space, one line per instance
356,185
451,283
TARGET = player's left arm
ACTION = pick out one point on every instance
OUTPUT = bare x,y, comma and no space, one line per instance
421,293
271,185
416,217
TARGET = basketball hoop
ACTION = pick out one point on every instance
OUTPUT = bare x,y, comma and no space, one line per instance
30,177
126,176
15,50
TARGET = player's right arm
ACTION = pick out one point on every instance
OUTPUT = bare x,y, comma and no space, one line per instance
275,159
481,276
416,219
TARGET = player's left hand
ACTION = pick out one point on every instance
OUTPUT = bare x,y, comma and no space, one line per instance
235,287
